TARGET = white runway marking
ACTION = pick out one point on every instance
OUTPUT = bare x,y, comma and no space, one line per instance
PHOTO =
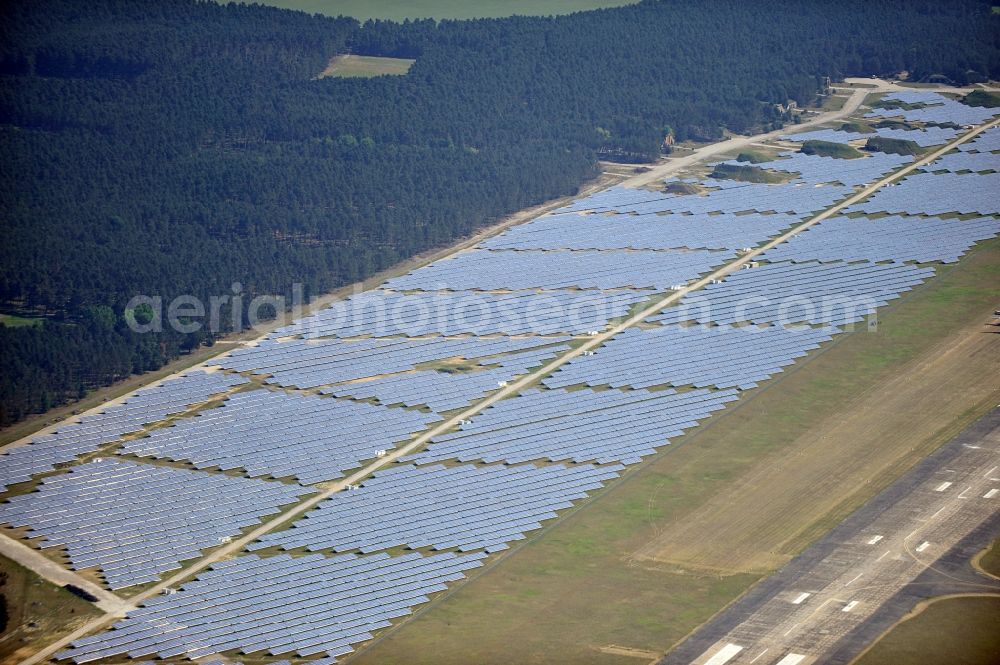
962,495
992,493
854,580
942,487
791,659
801,597
850,606
989,473
939,511
874,540
757,657
788,632
884,555
924,545
724,655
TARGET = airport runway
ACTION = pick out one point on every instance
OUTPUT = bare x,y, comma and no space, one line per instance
912,541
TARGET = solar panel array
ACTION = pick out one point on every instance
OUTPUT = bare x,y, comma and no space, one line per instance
818,293
480,269
936,109
312,363
136,521
317,605
701,356
20,463
817,169
276,434
986,141
732,196
937,194
439,391
921,239
925,137
464,507
385,313
278,605
574,231
966,161
828,135
580,426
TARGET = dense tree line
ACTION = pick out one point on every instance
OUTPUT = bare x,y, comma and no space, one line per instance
168,147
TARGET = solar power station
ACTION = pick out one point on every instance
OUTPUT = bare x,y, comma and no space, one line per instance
174,471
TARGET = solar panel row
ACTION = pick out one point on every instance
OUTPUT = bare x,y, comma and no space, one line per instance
149,405
986,141
439,391
732,196
814,169
921,239
579,426
937,194
702,356
136,521
585,269
464,507
307,605
575,231
935,108
277,434
312,363
966,161
817,293
386,313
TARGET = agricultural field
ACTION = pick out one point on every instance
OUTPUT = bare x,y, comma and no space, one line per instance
347,66
692,380
399,10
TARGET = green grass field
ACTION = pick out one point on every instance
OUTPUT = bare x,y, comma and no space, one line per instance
957,631
575,586
397,10
830,149
37,611
12,321
366,66
990,561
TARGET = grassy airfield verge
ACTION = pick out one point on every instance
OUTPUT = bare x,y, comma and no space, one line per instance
655,555
933,631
